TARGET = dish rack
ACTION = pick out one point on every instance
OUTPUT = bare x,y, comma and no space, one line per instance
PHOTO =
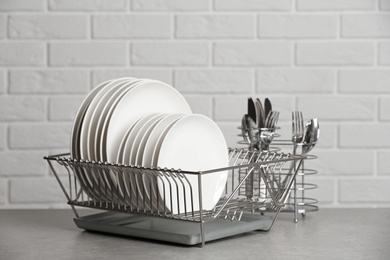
122,193
298,201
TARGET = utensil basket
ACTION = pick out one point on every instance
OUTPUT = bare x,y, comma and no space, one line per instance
125,192
298,202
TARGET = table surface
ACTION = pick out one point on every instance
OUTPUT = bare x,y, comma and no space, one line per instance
326,234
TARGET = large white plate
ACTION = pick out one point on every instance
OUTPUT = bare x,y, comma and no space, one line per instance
193,143
99,113
104,119
143,99
75,132
85,132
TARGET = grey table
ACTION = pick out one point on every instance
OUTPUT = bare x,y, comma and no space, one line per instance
326,234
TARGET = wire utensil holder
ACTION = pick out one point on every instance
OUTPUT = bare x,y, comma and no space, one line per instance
298,201
134,199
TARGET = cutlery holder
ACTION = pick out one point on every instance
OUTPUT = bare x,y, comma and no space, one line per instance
298,202
121,190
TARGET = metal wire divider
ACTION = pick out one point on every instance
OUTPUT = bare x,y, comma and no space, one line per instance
177,194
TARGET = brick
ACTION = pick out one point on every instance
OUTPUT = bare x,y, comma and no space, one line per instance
39,135
384,53
213,81
365,25
215,26
364,81
364,190
47,26
64,108
253,5
200,104
3,191
364,135
99,76
340,53
3,137
252,53
298,26
21,5
36,190
230,108
170,53
3,24
169,5
295,81
339,108
384,163
48,81
87,5
336,5
384,5
22,54
88,54
32,164
2,82
342,162
131,26
384,108
22,108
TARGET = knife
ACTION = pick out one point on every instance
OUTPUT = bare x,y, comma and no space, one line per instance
267,107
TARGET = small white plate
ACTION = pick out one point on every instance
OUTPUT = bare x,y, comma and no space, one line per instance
193,143
146,98
133,182
152,144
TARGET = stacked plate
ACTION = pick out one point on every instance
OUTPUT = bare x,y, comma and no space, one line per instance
149,123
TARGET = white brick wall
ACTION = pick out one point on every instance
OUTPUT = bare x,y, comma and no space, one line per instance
329,59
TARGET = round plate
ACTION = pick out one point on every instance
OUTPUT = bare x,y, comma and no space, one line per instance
75,133
85,128
104,118
153,143
146,98
133,182
193,143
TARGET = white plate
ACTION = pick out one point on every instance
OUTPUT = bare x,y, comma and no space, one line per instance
194,143
99,113
146,98
75,134
84,180
84,133
133,182
104,118
153,143
140,140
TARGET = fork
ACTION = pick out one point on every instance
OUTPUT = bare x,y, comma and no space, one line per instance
298,129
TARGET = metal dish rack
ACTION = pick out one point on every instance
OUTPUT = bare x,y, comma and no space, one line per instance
122,192
297,202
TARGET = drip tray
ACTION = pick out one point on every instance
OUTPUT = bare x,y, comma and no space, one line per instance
171,230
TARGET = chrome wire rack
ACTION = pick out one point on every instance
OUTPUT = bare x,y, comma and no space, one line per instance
143,202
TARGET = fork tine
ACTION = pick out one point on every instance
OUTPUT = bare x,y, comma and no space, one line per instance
293,123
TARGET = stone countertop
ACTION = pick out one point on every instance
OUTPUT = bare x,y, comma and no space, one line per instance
326,234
